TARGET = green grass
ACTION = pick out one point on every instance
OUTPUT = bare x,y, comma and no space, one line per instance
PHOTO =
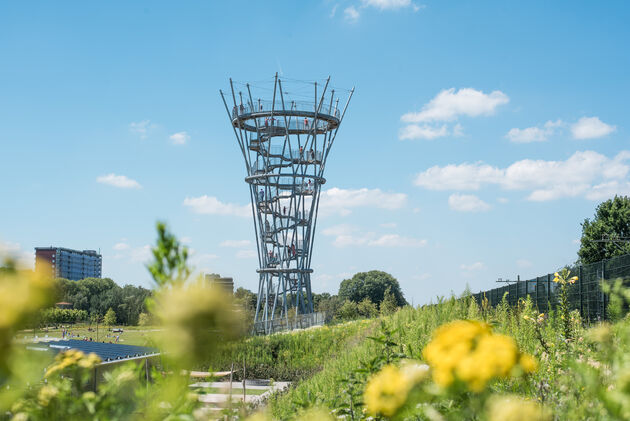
288,356
132,335
237,390
412,331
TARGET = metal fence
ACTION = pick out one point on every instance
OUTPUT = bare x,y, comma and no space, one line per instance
585,295
301,321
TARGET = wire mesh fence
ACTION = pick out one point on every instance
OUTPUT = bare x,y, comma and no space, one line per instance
301,321
585,295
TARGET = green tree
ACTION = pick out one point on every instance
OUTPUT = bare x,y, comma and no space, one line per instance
611,223
110,317
366,308
348,311
372,285
144,319
388,305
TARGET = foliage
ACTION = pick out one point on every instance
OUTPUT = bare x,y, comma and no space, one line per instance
97,295
144,319
611,222
287,356
349,310
170,258
62,315
388,305
367,309
372,285
110,317
495,378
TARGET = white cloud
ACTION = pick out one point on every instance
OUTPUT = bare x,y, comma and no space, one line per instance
421,277
334,11
588,174
210,205
121,246
458,177
534,134
591,128
467,203
351,14
236,243
448,105
389,225
348,235
245,254
22,257
523,263
120,181
473,266
185,240
141,128
341,201
415,131
503,200
180,138
389,4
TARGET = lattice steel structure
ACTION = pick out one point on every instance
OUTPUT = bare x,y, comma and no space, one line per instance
285,142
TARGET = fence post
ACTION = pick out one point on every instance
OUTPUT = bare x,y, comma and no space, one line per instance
581,291
604,315
548,292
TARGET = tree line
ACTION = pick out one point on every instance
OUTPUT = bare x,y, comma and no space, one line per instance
365,295
93,298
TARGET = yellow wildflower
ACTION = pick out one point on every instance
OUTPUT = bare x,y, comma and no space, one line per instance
46,394
72,357
514,408
387,391
470,352
528,363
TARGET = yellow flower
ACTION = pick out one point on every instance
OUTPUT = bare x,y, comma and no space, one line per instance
468,351
514,408
528,363
72,357
387,391
46,394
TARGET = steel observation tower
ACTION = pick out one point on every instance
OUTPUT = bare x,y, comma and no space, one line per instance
285,129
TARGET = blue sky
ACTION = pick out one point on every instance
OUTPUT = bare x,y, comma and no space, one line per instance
480,135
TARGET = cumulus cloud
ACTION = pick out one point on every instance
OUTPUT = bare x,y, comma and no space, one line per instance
351,14
341,201
390,4
180,138
591,128
587,174
348,235
210,205
534,134
449,104
473,266
120,181
236,243
415,131
467,203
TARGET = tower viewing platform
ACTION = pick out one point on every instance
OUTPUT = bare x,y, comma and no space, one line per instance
285,141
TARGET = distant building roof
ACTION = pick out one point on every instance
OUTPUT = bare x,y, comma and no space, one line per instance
109,353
